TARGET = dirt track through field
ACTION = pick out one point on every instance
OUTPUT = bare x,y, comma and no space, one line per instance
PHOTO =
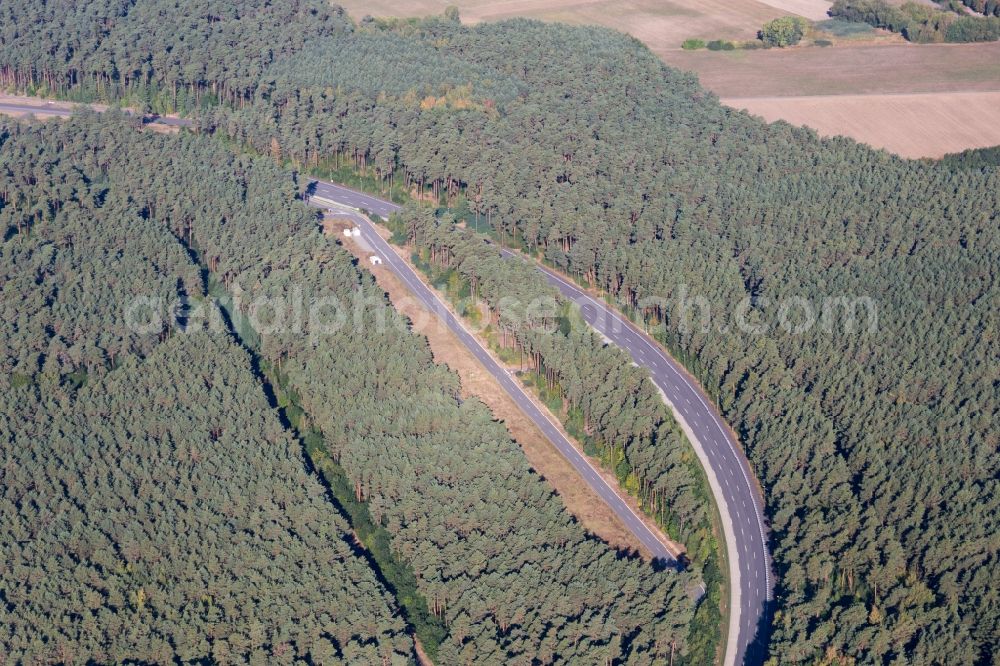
910,125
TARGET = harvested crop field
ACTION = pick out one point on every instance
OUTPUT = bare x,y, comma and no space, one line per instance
849,70
916,101
852,88
910,125
660,24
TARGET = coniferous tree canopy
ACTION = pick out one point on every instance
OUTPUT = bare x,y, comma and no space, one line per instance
153,507
612,405
876,447
495,554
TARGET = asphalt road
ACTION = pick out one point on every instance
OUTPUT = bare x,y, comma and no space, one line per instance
727,468
729,474
512,386
45,110
36,110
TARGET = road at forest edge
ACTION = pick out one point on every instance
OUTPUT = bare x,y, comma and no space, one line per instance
511,385
729,474
736,494
51,110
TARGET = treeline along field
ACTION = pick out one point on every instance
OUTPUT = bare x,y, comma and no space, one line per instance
875,446
921,23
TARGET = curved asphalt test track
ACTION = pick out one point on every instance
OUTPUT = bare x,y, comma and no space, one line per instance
513,388
729,475
731,480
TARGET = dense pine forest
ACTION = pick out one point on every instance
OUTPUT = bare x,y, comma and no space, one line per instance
875,446
197,478
154,507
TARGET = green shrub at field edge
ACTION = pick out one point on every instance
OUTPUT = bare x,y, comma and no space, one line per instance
721,45
784,31
844,29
